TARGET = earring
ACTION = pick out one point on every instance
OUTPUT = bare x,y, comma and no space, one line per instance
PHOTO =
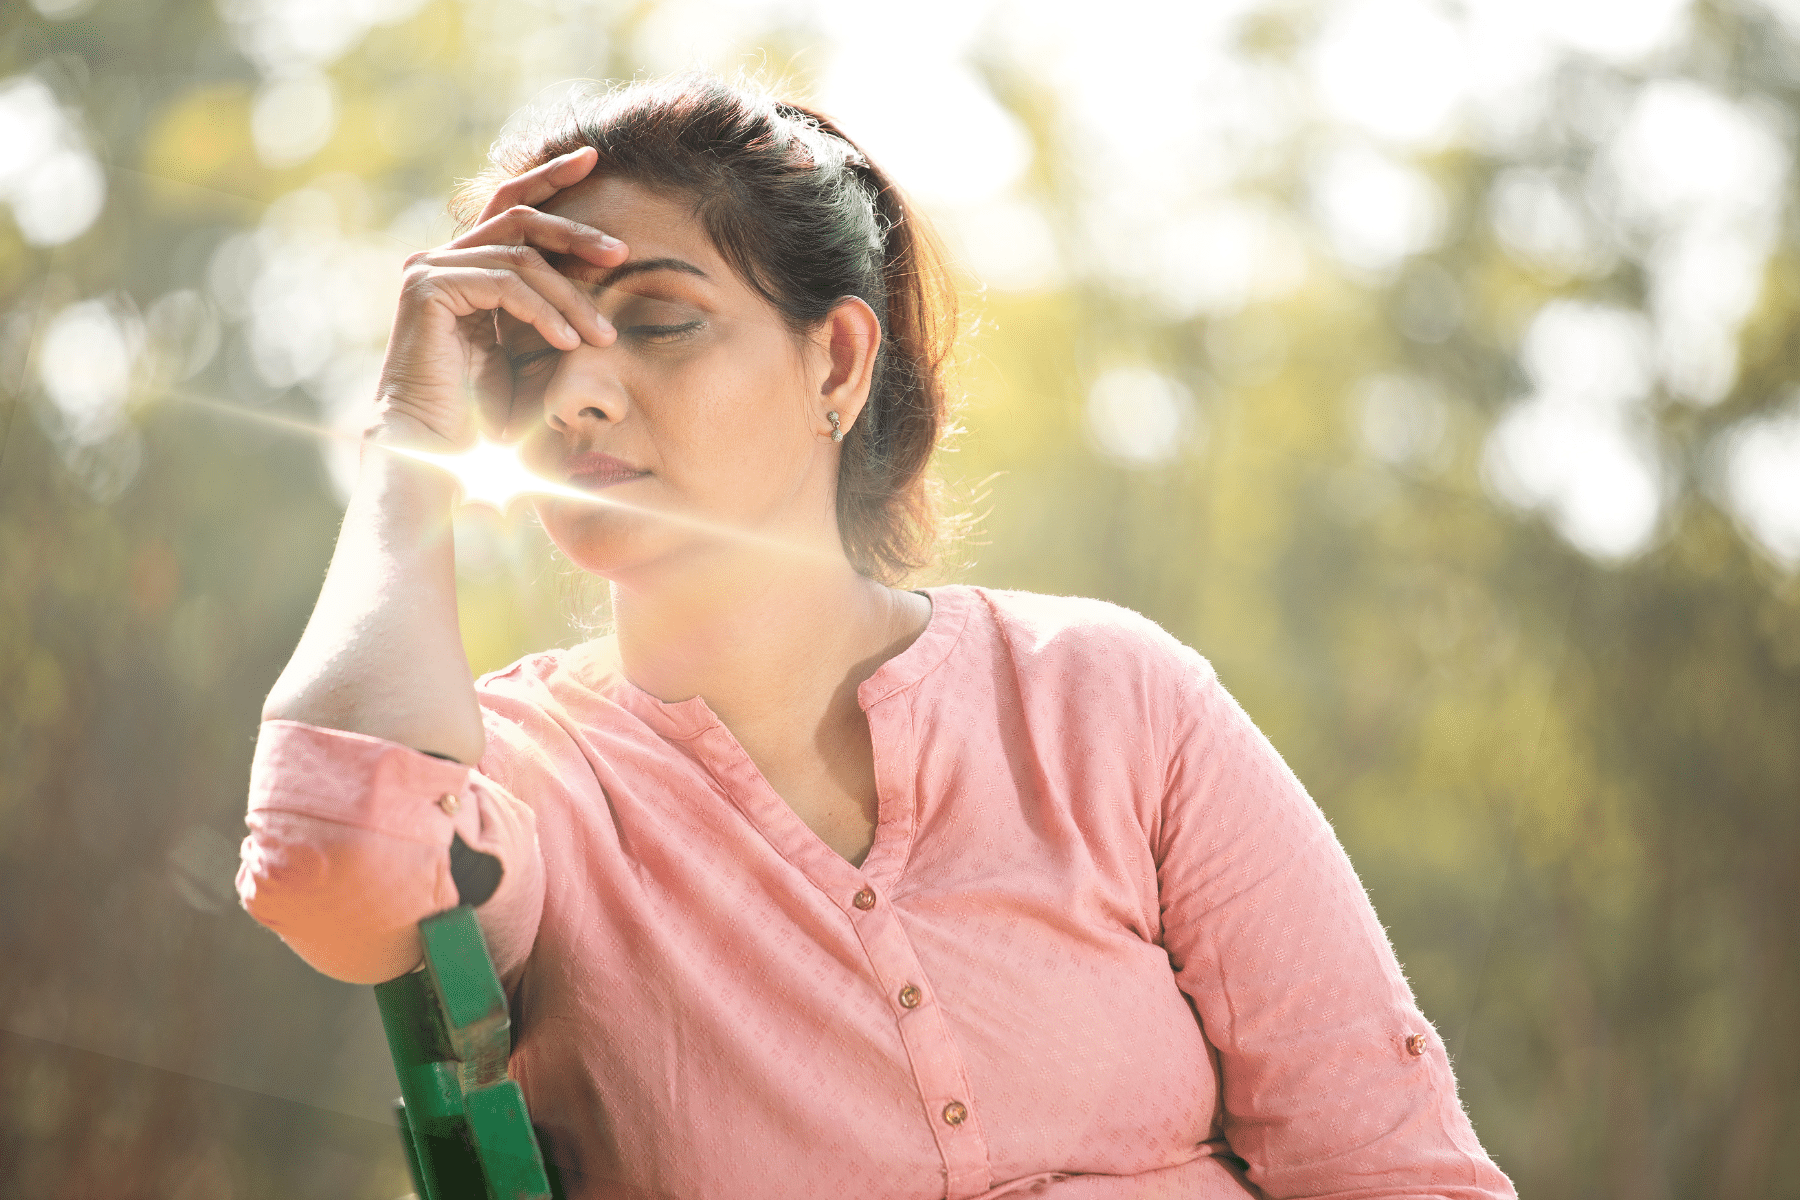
837,430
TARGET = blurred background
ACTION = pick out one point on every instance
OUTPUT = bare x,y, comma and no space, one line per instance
1430,365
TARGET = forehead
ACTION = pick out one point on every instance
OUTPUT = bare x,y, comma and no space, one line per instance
653,224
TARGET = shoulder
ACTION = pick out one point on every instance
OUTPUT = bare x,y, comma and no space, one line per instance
543,697
551,714
555,674
1075,632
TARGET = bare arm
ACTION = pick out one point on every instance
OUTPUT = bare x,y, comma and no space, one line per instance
382,654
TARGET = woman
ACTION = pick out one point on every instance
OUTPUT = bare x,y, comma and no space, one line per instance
808,885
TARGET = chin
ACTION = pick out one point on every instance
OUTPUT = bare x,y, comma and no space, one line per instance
601,541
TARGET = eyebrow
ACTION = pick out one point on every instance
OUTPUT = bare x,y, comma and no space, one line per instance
640,266
626,270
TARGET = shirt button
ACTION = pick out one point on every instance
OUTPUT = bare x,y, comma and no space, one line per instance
864,899
449,803
1415,1045
955,1112
909,996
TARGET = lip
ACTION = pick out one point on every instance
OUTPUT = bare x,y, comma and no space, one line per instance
595,470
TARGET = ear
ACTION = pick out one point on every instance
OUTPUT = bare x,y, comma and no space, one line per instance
850,336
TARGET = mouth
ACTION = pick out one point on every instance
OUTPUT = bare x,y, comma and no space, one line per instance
594,471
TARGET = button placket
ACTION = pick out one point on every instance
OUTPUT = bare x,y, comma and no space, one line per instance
936,1063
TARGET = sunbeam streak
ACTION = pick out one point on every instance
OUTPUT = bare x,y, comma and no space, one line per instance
493,475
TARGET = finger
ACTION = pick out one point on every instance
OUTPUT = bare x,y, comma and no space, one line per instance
517,298
467,291
522,225
542,182
570,300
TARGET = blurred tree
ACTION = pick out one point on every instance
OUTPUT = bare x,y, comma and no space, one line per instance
1569,783
1568,776
160,561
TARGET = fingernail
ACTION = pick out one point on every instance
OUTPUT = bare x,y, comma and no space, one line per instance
609,241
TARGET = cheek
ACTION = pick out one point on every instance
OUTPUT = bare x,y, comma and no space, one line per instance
745,407
541,450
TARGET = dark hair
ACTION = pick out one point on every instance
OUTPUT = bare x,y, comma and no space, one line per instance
806,219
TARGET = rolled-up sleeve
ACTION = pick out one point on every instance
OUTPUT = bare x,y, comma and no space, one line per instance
1333,1082
349,848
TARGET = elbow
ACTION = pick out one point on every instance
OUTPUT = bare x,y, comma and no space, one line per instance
348,847
280,706
346,902
467,747
303,692
287,703
457,736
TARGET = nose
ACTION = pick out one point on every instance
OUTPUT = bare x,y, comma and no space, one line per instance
584,390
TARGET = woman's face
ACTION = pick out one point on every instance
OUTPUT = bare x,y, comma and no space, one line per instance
706,407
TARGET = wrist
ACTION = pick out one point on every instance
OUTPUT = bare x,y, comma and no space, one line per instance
390,469
403,430
400,418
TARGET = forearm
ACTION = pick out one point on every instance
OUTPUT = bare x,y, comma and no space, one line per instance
382,654
350,847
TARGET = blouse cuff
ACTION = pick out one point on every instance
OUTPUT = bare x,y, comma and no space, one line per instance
349,846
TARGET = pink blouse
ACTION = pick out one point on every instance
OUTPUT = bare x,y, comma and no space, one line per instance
1104,945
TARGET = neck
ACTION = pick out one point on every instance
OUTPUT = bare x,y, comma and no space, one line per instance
758,637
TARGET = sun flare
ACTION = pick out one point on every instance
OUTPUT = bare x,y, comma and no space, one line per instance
494,474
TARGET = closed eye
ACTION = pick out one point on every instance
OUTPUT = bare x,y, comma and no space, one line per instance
524,364
656,334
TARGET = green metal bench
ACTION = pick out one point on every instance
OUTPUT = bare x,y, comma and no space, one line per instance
463,1122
